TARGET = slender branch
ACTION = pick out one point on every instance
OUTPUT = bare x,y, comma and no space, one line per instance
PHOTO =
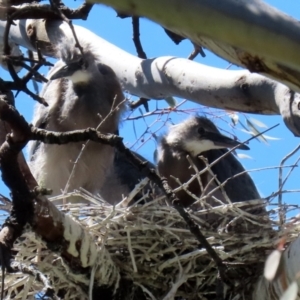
69,22
141,101
20,84
136,37
197,50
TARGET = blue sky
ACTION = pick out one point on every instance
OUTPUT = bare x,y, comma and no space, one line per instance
103,21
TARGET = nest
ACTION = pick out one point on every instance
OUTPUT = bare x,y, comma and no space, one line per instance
152,246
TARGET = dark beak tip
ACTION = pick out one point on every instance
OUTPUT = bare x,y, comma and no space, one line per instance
62,72
53,77
244,147
56,75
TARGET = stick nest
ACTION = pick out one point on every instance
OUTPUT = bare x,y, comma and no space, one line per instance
152,246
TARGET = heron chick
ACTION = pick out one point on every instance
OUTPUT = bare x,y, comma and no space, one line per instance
82,92
199,136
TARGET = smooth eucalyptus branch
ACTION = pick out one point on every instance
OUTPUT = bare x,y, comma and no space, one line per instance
228,28
164,77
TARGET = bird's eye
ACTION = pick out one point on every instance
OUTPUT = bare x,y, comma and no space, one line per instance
83,63
80,61
201,130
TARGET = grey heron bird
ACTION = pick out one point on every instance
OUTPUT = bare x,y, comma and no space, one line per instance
82,92
199,136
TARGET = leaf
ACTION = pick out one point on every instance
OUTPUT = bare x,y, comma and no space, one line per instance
272,264
258,123
171,101
267,137
243,156
255,131
248,132
291,292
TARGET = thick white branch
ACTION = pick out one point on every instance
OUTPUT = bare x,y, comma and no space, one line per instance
170,76
248,33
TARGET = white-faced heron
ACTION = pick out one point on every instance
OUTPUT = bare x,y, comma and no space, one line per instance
199,136
82,92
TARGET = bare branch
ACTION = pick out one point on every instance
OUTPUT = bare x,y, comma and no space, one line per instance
136,37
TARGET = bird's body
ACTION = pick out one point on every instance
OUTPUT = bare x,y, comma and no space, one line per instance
199,136
124,177
81,93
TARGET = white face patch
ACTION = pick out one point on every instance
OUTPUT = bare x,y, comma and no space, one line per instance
195,147
80,76
172,137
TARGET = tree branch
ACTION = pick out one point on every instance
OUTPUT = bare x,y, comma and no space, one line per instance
165,77
229,31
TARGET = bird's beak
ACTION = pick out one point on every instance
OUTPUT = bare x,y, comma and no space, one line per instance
223,141
64,71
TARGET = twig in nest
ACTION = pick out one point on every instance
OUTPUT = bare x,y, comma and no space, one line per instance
136,37
48,290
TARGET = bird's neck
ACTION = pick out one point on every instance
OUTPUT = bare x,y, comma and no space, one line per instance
196,147
80,77
193,147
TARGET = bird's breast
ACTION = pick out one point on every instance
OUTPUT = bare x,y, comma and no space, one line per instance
81,167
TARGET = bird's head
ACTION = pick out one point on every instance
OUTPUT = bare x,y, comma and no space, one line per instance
74,65
199,134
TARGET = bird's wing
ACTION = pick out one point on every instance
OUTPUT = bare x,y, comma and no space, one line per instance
126,171
241,188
